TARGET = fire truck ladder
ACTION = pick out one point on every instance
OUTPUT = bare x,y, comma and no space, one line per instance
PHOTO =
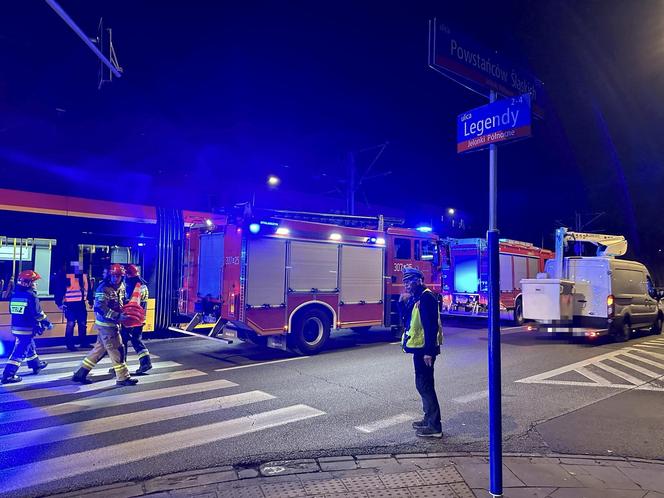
379,222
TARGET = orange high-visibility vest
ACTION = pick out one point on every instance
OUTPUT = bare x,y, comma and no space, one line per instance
74,292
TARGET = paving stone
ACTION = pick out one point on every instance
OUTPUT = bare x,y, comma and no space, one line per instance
401,480
377,463
188,480
412,455
248,473
466,460
340,465
328,486
654,494
316,476
363,483
357,494
389,493
536,460
342,474
436,491
577,461
371,457
241,492
118,490
655,467
287,467
284,490
608,477
522,493
208,491
646,478
427,463
595,493
337,459
477,476
443,475
543,475
462,490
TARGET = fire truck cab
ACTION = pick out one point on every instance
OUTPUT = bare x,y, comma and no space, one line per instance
286,283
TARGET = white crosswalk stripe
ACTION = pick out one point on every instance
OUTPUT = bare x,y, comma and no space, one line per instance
603,370
74,359
114,400
386,422
100,385
161,415
117,422
101,370
15,478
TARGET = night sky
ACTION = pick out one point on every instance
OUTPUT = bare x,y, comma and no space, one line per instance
217,95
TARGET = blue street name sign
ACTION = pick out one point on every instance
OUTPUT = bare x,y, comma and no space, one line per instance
502,121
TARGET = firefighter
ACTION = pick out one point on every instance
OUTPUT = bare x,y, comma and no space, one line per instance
72,291
137,289
28,320
109,299
422,337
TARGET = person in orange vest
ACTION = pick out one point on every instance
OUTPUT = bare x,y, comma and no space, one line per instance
72,291
137,288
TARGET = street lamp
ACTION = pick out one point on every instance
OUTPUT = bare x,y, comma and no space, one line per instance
273,181
451,211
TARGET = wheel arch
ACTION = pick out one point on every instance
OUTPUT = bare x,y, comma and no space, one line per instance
313,304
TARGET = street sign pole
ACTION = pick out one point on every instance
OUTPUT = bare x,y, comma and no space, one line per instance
495,409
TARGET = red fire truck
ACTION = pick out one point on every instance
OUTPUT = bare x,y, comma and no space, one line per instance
287,282
466,276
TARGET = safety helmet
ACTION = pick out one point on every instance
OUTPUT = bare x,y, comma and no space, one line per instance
116,269
132,270
28,276
412,274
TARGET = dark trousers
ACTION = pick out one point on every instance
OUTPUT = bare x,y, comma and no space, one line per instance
75,313
424,382
24,350
135,336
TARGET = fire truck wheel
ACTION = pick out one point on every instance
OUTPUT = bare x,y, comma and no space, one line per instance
518,313
311,329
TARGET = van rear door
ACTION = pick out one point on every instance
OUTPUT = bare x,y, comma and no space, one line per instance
592,285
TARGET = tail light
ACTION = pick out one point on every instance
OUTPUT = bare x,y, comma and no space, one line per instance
610,308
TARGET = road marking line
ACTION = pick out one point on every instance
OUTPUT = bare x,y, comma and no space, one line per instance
100,385
637,368
651,353
619,373
111,400
386,422
106,361
92,427
593,376
43,379
66,466
645,360
71,356
578,383
263,363
471,397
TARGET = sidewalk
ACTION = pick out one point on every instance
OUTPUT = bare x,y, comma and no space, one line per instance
432,475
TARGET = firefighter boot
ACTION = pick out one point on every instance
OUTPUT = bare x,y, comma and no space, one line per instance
111,371
42,365
126,382
145,365
12,379
81,376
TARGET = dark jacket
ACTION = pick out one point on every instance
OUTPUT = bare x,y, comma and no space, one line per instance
25,310
429,315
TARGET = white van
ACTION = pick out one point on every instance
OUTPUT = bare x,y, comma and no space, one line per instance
595,296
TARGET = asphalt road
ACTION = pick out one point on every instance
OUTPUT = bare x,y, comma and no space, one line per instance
209,404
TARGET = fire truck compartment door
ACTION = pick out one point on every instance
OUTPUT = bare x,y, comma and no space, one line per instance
266,272
361,274
313,265
210,264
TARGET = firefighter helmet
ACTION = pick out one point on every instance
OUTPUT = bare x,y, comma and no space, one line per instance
28,276
116,269
132,270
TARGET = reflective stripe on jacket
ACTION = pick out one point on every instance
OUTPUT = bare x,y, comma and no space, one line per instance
74,291
108,304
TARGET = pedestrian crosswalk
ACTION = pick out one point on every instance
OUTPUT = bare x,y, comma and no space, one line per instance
636,366
47,422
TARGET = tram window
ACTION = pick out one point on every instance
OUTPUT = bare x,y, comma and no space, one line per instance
402,248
